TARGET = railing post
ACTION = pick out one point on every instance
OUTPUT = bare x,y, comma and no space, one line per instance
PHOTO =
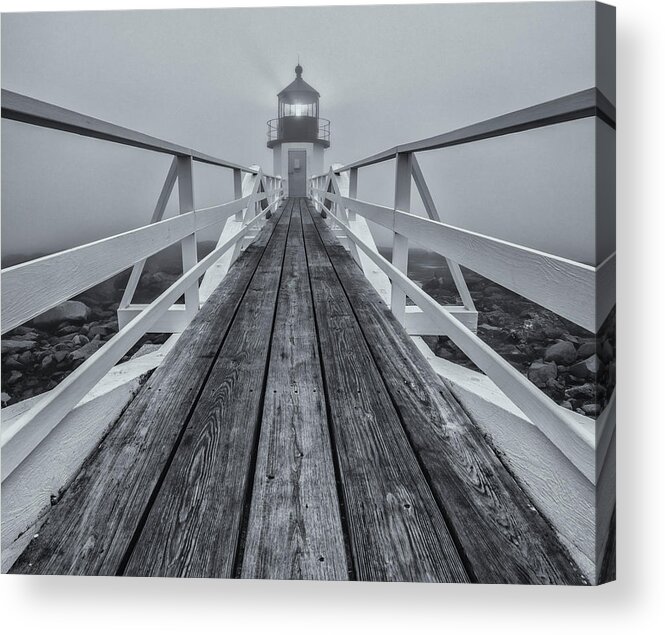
353,190
189,255
400,257
237,189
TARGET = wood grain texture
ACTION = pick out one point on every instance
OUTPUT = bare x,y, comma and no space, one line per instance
504,539
397,532
91,528
194,524
294,528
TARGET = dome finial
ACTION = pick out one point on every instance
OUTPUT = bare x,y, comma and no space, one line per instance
298,68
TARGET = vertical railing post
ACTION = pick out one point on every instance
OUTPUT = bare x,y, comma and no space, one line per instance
237,189
189,255
353,190
400,257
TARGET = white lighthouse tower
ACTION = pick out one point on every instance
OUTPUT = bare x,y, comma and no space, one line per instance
298,136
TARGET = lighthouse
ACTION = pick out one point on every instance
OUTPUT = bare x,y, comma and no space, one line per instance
298,136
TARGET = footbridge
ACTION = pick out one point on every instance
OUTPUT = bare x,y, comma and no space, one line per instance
295,425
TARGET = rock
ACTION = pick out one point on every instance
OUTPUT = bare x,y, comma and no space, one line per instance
591,409
585,391
14,377
80,340
68,329
607,352
540,372
17,346
70,311
60,355
561,352
12,362
47,362
5,398
26,358
586,350
86,351
567,405
489,327
587,368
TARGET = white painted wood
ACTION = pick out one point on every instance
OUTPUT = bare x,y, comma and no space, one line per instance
566,287
157,215
173,320
219,269
188,244
32,427
557,488
40,113
400,255
400,260
30,288
378,279
416,322
433,213
27,492
586,103
557,424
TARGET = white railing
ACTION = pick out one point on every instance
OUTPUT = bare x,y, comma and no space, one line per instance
30,288
578,292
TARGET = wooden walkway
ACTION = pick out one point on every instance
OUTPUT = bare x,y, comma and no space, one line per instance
295,432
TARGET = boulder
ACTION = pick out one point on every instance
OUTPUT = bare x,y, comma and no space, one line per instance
5,398
591,409
17,346
586,350
585,391
87,350
561,352
540,372
71,311
587,368
15,376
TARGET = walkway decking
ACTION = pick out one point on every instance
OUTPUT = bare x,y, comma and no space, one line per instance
295,432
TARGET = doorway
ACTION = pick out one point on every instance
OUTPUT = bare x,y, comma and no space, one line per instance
297,172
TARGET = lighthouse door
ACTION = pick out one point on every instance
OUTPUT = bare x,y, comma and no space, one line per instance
297,172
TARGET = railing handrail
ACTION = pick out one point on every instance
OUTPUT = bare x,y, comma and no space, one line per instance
18,107
586,103
57,277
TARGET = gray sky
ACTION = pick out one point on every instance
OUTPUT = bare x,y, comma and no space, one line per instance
208,79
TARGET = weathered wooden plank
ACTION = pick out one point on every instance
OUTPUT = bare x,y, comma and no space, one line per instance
194,524
294,528
396,530
504,539
93,525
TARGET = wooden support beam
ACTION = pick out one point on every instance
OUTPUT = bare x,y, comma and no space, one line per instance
189,253
157,215
400,257
433,213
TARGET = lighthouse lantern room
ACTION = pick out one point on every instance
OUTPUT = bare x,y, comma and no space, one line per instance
298,136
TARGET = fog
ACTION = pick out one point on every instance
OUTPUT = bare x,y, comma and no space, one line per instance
207,79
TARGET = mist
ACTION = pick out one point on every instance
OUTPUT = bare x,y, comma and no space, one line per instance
208,79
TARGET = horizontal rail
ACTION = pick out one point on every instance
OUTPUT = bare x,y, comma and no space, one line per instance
30,288
32,427
564,286
29,110
586,103
555,423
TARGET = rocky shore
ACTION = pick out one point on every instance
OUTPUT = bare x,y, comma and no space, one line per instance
37,356
574,367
